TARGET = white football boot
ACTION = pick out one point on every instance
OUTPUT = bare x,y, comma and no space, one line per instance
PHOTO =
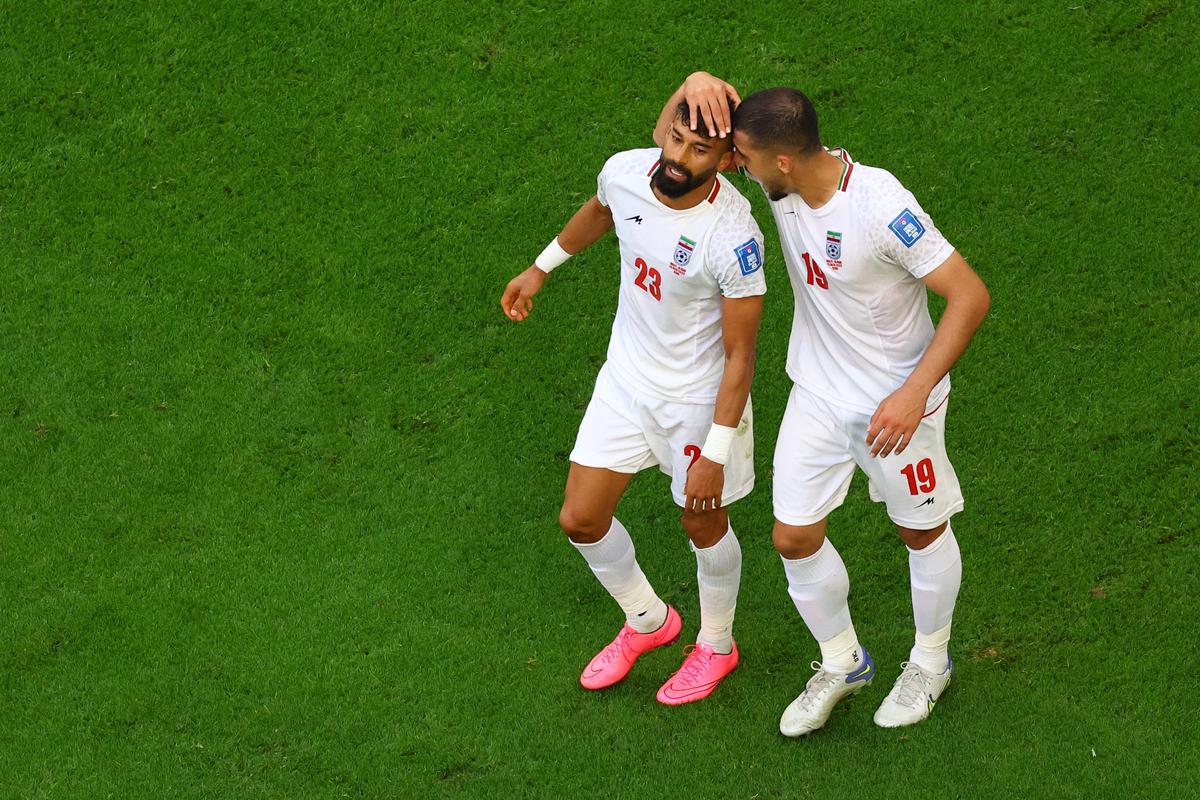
913,697
826,689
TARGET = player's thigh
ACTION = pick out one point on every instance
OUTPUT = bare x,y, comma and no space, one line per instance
813,465
677,432
919,486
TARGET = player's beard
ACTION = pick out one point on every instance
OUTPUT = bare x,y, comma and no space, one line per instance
673,188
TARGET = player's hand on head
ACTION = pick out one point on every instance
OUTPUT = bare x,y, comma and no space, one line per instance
704,486
517,300
711,99
895,421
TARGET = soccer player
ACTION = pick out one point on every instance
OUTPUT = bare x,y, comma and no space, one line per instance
674,392
871,386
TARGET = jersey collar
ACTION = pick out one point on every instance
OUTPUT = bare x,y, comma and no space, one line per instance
847,167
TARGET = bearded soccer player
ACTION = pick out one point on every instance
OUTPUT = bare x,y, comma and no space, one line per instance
871,386
674,392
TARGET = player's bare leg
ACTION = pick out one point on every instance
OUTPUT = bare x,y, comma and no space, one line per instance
718,574
820,587
587,518
935,568
591,500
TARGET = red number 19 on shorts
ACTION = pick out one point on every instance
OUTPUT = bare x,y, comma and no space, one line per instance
921,479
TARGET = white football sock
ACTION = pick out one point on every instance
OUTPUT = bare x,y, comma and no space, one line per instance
936,573
718,573
614,564
932,651
820,588
842,653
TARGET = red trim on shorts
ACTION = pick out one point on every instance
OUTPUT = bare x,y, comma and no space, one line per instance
939,405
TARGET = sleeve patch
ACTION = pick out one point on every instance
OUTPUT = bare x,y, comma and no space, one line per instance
749,257
907,227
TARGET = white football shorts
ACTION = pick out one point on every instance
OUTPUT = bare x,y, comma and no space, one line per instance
628,431
819,445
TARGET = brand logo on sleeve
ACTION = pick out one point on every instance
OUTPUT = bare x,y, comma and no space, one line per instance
683,255
749,256
907,227
833,249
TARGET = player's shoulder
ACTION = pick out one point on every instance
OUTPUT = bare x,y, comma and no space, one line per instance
631,162
733,209
872,187
734,234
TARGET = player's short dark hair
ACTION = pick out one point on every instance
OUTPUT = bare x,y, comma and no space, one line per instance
684,113
779,119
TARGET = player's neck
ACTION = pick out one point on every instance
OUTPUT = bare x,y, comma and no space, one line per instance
817,179
690,200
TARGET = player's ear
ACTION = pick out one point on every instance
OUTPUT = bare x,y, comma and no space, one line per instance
726,162
784,163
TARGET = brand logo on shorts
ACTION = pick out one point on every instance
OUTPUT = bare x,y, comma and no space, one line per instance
683,255
833,249
928,502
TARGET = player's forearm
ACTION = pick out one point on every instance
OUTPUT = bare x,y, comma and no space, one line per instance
962,317
734,389
585,228
667,116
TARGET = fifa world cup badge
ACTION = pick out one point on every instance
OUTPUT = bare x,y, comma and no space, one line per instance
833,249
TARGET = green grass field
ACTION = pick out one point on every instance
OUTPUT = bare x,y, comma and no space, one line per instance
280,483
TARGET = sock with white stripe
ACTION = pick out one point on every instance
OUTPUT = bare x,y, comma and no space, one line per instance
820,588
936,574
614,563
718,574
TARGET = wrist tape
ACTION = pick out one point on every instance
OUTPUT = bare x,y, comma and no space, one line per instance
719,443
551,257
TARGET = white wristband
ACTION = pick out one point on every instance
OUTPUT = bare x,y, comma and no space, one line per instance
719,443
551,257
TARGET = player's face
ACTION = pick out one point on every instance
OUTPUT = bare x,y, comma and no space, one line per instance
690,160
761,164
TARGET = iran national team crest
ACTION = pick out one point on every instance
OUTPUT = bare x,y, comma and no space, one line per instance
833,249
683,255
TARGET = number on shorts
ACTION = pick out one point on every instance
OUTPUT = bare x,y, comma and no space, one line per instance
921,479
655,285
692,451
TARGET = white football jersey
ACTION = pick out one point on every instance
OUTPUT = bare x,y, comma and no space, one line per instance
861,321
676,266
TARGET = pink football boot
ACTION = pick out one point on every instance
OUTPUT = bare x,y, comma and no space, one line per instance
613,663
702,670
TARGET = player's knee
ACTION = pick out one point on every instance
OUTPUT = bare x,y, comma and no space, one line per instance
797,541
918,539
705,528
582,527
